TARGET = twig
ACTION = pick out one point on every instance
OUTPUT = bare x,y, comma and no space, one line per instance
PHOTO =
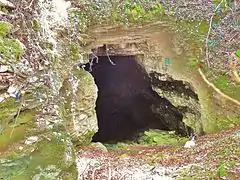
93,173
85,170
216,89
90,64
233,37
109,172
15,120
91,61
109,56
94,170
29,6
95,57
123,176
209,31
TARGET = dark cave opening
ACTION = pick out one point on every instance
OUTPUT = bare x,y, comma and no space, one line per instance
126,104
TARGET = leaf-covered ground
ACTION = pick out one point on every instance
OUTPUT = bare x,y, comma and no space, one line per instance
215,156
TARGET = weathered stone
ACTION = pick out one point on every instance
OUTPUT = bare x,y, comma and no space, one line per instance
100,146
180,95
31,140
3,68
80,94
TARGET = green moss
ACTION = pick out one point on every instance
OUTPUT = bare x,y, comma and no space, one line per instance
84,140
9,48
196,172
225,123
24,117
238,52
193,62
8,109
14,133
225,167
158,137
49,154
203,27
46,162
35,25
152,160
70,173
5,28
75,51
222,5
225,85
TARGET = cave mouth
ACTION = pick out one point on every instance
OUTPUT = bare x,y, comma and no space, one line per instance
126,102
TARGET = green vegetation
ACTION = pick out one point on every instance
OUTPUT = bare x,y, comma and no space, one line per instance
136,12
225,123
5,28
224,84
8,109
150,137
46,162
10,49
75,51
119,13
238,52
35,25
158,137
24,117
85,138
193,62
13,133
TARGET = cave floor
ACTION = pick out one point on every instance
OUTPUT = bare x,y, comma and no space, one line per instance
210,158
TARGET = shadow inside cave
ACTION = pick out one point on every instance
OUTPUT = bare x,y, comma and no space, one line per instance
127,105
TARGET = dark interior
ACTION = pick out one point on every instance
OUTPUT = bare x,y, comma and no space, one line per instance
126,103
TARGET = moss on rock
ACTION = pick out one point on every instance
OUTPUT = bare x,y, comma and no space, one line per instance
47,161
8,109
158,137
9,47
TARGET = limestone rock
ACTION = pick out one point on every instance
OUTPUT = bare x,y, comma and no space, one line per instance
31,140
99,146
3,68
80,94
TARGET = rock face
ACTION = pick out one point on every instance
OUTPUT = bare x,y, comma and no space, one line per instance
79,94
34,63
164,55
182,95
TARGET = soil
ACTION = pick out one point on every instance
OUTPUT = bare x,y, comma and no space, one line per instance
215,156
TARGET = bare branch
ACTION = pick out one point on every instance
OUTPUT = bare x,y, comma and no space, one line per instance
109,172
208,34
109,56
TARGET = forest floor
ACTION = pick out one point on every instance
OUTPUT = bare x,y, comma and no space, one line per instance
215,156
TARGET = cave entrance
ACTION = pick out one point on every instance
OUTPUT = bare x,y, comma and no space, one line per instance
126,101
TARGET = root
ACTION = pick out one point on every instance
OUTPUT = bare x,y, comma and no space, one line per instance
109,56
216,89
